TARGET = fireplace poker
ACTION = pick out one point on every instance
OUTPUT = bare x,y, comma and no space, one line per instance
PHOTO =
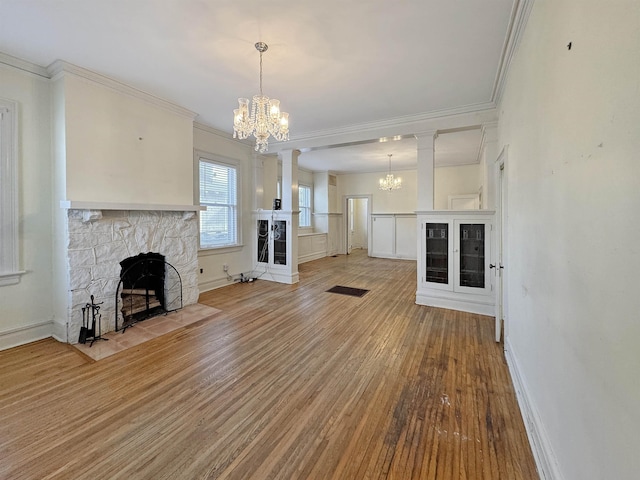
84,329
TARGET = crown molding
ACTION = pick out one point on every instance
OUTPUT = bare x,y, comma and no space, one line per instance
59,68
395,122
24,65
517,24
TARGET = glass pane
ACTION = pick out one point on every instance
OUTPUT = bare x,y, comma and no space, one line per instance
218,192
280,242
472,255
437,252
263,241
217,226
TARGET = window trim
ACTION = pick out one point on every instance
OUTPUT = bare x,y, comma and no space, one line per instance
199,156
9,234
310,207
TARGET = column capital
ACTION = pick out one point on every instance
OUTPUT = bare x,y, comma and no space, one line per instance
426,139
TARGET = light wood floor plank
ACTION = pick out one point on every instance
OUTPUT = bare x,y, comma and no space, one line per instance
288,382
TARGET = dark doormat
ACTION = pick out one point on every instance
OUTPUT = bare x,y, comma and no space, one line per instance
354,292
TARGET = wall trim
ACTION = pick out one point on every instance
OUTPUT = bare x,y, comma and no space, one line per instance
58,68
24,65
517,25
311,256
26,334
546,461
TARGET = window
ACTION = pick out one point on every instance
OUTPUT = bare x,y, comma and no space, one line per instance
9,273
304,195
218,183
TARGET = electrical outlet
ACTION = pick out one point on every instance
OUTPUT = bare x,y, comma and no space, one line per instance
225,267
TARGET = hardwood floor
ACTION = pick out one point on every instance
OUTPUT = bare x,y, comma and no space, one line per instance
289,382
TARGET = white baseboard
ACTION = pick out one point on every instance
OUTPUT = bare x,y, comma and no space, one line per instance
311,256
392,256
27,334
463,305
213,284
540,445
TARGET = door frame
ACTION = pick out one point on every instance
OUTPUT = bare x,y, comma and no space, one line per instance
501,313
345,206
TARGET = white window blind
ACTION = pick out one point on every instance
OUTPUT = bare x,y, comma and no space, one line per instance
304,196
219,193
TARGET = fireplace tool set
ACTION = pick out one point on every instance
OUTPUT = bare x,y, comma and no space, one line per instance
91,316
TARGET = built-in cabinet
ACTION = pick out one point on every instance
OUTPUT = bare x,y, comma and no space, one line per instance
273,247
454,265
393,235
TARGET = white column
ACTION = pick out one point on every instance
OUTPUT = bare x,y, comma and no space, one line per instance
290,209
290,180
488,159
426,164
258,183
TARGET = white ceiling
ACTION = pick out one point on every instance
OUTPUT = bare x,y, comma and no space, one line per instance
335,63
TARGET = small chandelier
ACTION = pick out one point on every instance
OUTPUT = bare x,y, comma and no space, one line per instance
265,118
390,182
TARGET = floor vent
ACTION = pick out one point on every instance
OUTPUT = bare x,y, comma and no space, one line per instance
354,292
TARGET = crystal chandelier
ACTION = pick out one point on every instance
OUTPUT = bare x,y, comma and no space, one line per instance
390,182
265,118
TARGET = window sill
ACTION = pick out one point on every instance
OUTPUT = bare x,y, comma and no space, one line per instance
203,252
11,278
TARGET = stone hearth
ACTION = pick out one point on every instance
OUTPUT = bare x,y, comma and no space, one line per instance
98,240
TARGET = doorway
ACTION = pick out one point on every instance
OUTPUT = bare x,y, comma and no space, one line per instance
501,221
357,223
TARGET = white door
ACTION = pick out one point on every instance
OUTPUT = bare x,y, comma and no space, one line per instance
350,223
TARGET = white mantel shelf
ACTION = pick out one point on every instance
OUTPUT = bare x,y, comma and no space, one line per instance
80,205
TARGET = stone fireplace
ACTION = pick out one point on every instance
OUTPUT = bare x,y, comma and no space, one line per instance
98,240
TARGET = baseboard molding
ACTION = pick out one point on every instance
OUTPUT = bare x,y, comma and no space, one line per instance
213,284
391,256
540,445
311,256
455,304
27,334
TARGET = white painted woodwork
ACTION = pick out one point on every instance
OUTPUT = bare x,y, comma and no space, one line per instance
452,294
10,272
311,246
469,201
272,270
393,235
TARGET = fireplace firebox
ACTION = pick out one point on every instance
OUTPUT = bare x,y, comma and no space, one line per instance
149,286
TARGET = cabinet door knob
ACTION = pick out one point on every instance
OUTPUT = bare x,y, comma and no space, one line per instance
491,265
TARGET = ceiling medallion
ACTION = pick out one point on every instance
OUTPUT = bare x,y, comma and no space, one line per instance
263,119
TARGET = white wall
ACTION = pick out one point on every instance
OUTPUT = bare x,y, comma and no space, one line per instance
397,201
239,259
458,180
26,308
571,121
123,149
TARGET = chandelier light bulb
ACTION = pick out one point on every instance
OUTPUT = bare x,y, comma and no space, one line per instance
263,118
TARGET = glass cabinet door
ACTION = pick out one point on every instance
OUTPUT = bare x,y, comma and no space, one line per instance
263,241
280,242
437,253
472,248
